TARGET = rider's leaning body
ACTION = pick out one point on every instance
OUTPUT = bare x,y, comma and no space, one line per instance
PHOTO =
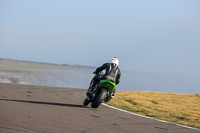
112,72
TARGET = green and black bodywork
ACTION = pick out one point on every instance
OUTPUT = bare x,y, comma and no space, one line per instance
100,93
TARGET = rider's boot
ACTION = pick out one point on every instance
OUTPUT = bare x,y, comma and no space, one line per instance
92,86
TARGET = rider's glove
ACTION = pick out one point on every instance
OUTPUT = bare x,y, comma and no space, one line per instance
94,72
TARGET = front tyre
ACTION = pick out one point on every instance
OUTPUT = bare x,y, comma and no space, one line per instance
98,100
86,101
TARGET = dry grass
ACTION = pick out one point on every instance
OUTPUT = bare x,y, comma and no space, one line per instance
183,109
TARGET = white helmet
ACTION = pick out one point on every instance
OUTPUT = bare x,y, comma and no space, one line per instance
115,61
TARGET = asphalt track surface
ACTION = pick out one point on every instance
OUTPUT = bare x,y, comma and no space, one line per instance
40,109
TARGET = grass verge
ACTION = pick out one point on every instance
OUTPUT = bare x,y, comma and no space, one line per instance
182,109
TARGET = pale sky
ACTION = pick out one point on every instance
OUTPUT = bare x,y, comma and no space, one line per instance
145,35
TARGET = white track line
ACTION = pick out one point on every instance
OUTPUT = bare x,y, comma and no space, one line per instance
147,117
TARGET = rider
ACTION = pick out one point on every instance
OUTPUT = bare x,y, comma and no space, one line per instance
111,72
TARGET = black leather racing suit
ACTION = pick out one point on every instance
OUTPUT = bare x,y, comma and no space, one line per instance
111,72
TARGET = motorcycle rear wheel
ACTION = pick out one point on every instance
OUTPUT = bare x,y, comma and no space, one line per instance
98,100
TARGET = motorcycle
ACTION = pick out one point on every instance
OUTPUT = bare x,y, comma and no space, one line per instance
100,93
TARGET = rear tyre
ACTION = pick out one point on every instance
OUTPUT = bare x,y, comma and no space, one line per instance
98,100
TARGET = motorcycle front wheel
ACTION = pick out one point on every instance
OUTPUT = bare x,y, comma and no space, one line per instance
86,101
